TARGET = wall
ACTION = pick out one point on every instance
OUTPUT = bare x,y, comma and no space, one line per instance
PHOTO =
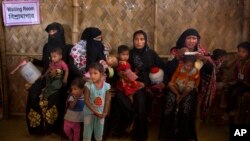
220,23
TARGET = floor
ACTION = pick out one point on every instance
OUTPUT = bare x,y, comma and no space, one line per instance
14,128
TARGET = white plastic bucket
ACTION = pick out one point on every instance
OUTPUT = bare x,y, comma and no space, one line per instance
30,73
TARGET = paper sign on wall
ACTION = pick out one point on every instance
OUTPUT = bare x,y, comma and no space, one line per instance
20,12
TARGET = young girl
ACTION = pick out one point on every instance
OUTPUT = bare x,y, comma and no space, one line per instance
74,113
111,61
97,99
185,79
242,76
54,84
127,83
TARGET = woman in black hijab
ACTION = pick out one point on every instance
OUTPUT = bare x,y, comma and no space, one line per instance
94,47
180,124
37,122
141,59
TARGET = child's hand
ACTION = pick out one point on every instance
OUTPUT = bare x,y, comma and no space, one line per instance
42,76
41,97
65,81
103,115
98,115
178,98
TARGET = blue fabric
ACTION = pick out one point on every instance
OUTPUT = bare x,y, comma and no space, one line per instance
96,94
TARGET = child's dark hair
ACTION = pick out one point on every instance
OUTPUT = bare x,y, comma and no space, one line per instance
122,48
79,82
245,45
189,58
97,66
172,49
57,50
217,53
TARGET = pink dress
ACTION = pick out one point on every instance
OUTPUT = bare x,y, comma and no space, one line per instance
127,84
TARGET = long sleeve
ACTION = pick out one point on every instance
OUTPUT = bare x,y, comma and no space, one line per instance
175,75
37,62
94,55
159,63
44,63
66,53
197,81
45,58
170,69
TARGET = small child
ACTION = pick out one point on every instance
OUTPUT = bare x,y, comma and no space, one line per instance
54,83
219,58
111,61
185,78
74,114
127,82
97,100
109,64
173,53
242,76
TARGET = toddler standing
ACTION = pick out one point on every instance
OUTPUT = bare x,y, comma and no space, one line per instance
97,99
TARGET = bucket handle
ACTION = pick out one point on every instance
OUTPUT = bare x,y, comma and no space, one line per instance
24,62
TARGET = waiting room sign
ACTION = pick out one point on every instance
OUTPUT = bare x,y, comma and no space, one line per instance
20,12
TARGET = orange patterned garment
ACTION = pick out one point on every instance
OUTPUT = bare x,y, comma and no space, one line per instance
182,78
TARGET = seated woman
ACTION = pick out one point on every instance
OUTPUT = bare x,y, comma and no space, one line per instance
89,50
37,122
188,41
141,59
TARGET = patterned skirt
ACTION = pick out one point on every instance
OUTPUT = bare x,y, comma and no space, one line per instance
42,116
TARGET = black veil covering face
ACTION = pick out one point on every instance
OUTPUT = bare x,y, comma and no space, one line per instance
56,40
95,48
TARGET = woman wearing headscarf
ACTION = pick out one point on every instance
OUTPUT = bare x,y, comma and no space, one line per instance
179,123
43,116
90,49
141,59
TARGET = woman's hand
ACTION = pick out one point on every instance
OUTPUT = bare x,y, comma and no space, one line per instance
200,56
27,59
159,86
181,52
